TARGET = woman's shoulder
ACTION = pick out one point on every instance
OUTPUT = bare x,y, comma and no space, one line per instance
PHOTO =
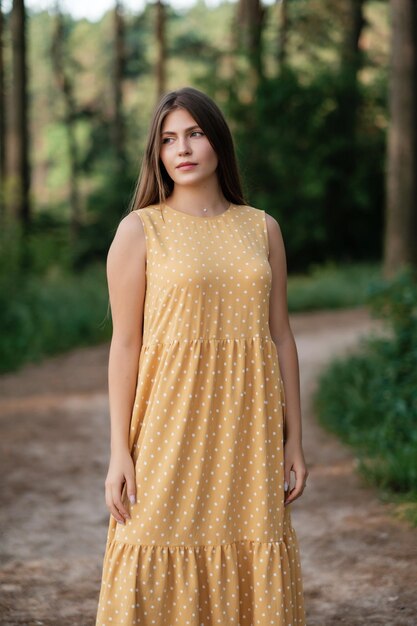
128,241
149,211
149,208
148,214
129,230
269,224
258,212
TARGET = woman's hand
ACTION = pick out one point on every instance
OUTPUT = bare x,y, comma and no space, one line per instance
121,470
294,460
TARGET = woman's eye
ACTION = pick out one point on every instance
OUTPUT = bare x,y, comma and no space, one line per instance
194,132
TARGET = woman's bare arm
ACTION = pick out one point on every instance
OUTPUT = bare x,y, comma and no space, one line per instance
283,338
126,277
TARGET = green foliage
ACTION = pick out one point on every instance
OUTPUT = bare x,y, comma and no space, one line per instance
44,307
48,245
370,398
396,303
106,207
303,163
331,286
52,314
305,157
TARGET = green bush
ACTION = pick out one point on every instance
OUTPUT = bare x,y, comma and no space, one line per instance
46,315
305,161
370,398
332,286
45,307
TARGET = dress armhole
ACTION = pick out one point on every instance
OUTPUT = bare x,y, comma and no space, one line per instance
265,228
137,211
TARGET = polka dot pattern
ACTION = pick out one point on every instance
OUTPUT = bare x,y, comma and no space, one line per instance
209,541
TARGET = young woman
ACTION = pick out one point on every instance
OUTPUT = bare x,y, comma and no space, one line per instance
204,393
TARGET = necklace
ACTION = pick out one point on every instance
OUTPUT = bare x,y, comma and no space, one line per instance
204,210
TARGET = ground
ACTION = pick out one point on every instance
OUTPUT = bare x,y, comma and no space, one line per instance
359,561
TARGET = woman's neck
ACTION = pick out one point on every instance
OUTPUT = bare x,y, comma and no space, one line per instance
197,200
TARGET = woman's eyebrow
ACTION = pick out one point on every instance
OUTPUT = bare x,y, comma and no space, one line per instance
171,132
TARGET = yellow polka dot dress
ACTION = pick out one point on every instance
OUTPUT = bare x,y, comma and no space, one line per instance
209,541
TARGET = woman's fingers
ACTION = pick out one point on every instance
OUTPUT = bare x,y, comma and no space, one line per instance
113,510
121,474
297,490
114,503
119,504
287,471
131,488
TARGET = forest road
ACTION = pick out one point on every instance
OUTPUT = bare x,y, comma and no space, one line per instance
359,562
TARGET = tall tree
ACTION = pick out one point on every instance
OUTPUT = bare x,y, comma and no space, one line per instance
19,127
118,75
2,118
346,148
250,19
161,44
64,82
401,181
282,33
351,62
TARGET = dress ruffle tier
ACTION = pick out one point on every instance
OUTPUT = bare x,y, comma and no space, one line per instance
243,583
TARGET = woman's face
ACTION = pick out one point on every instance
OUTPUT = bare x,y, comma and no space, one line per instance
183,141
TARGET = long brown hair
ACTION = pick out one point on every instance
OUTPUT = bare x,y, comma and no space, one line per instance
154,184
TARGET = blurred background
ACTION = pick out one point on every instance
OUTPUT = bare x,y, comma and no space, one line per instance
321,97
305,87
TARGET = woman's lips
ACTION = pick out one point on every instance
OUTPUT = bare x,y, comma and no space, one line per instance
189,166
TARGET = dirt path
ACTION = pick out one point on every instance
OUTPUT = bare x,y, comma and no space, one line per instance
359,564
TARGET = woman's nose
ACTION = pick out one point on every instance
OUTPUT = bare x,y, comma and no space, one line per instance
183,146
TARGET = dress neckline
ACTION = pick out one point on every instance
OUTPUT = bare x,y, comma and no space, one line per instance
198,217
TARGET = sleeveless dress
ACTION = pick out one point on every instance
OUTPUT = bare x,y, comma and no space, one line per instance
209,541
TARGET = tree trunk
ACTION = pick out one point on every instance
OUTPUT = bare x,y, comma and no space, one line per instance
119,71
352,61
2,120
282,33
345,122
251,18
356,22
19,132
65,85
161,44
401,181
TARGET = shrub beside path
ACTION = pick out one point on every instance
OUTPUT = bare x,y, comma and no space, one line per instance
359,562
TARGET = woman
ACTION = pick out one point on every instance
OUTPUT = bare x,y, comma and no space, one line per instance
205,418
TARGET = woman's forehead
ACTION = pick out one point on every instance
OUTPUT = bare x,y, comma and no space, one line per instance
180,119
